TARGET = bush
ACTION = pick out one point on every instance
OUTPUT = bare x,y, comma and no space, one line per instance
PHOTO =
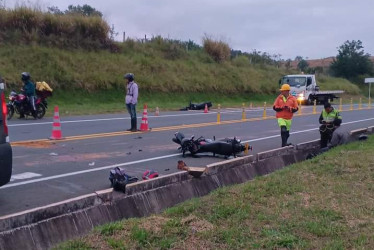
218,50
27,26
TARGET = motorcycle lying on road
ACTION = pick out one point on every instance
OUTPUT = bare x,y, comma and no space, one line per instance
226,147
19,104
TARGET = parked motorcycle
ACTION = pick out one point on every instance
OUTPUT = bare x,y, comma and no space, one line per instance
18,103
226,147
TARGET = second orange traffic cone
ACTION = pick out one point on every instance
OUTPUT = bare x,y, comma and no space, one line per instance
206,108
144,124
56,127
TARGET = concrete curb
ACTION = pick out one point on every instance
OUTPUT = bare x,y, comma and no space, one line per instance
44,227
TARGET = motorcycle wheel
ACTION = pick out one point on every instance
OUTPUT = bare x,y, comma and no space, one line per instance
40,111
10,112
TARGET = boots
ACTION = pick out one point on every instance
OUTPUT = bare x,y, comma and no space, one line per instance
284,135
134,127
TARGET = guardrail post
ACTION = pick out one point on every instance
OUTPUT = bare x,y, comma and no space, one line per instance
251,105
264,114
369,103
243,112
315,107
219,114
360,104
351,108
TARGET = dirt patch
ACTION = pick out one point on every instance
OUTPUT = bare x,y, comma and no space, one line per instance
154,223
197,225
306,199
34,144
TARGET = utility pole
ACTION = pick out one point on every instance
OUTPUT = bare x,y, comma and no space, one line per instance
124,36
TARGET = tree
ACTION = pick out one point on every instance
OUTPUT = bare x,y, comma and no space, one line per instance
302,65
351,61
55,10
85,10
288,64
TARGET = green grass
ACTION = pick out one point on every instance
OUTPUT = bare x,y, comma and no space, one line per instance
323,203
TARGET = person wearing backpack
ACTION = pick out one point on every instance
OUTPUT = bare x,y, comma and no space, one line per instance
131,99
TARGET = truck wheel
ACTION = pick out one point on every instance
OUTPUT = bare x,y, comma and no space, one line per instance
309,101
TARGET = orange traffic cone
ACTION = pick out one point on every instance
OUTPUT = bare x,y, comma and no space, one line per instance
56,127
206,108
144,124
157,113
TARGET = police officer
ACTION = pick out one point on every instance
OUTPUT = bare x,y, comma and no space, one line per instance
29,90
328,117
131,99
285,105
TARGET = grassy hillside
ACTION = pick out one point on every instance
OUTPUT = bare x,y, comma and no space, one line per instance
323,203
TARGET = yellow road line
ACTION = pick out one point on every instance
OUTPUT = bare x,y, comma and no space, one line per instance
160,129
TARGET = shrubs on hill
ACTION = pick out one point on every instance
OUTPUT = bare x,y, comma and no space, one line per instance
25,26
218,50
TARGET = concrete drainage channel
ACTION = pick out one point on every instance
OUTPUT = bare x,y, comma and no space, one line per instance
44,227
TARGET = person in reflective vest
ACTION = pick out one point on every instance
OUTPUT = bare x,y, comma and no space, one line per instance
285,106
327,118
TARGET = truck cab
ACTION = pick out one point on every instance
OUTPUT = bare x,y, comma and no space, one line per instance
306,90
5,148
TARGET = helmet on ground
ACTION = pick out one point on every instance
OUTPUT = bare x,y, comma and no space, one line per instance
25,76
129,76
150,174
285,87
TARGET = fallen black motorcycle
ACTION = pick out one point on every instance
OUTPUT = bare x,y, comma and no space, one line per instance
226,147
197,106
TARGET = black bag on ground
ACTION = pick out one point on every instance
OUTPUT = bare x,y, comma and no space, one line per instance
119,179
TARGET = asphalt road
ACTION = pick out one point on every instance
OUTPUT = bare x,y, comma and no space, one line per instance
47,171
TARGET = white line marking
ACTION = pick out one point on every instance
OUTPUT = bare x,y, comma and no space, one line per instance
26,175
146,160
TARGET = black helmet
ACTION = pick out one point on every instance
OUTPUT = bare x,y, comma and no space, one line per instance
129,76
25,76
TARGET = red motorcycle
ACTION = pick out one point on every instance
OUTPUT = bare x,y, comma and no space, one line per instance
19,104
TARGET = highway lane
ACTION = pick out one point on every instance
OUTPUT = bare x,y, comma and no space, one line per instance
62,170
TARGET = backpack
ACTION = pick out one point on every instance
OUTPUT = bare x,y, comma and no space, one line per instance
119,179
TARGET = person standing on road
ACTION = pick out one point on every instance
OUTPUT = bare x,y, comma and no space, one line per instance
131,100
327,118
285,106
29,90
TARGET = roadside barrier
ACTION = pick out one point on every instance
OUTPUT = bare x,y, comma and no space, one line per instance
351,108
360,104
219,114
341,104
264,114
157,113
44,227
243,112
315,107
144,124
56,127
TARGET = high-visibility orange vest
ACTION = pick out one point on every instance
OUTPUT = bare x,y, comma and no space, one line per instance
281,102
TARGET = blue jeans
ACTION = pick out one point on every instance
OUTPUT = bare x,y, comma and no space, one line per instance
131,108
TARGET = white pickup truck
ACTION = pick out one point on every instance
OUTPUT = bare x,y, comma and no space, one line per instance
306,90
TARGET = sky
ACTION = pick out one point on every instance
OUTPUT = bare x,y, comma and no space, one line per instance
313,29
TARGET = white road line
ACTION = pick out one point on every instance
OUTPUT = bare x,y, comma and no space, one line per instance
22,176
147,160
